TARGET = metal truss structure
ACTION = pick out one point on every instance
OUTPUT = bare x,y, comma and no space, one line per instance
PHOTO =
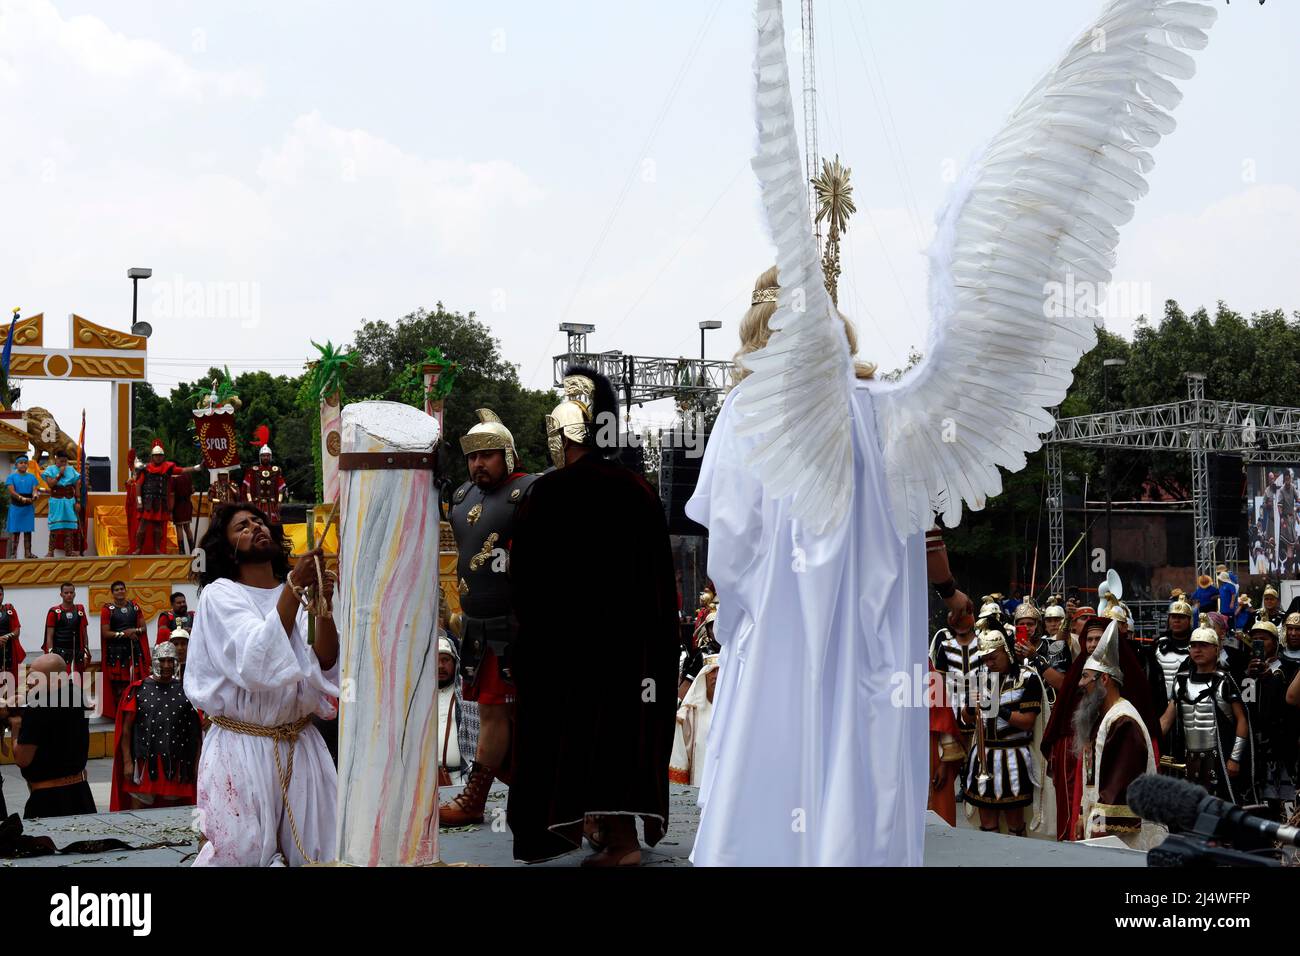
645,378
1196,426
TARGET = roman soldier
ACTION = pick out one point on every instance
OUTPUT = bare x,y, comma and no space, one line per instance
155,502
1049,659
1171,651
156,752
1207,723
11,648
954,654
1116,748
1276,726
1001,776
124,643
482,517
135,476
65,630
180,615
223,491
702,647
1270,611
264,484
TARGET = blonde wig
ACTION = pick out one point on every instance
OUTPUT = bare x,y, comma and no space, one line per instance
754,331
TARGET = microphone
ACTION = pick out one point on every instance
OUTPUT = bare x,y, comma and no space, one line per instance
1180,805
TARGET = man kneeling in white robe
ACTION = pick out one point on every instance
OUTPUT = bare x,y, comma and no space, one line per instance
251,671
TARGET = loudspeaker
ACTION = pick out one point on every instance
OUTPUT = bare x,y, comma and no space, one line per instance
678,474
1227,496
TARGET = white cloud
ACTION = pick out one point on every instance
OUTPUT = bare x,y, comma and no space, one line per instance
34,34
1240,249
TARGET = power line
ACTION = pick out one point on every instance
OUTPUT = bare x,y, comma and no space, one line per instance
890,147
678,251
645,148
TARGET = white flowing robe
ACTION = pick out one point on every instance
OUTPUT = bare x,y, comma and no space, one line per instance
817,750
242,665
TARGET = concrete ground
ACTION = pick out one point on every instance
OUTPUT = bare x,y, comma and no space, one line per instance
491,844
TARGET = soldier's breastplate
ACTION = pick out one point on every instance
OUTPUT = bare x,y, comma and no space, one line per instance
121,618
67,628
1200,717
1169,661
264,485
154,487
161,712
484,526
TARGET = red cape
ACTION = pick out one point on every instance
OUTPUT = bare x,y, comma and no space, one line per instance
118,797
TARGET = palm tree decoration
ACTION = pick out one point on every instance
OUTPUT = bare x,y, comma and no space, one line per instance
835,205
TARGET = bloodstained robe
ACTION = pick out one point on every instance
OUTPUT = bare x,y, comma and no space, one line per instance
1057,746
591,529
242,665
166,737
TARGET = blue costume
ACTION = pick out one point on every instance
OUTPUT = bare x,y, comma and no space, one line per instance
22,517
63,511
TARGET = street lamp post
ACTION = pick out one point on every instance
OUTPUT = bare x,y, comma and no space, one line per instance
135,275
1106,366
706,326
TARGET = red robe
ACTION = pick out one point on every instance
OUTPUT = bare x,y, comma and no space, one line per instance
12,654
132,514
118,678
943,723
123,777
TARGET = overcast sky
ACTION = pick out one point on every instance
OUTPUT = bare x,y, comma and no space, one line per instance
291,169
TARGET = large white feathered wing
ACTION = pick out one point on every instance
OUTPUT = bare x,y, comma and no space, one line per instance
796,398
1035,217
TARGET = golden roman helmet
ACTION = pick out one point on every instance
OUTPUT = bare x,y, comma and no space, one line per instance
488,435
993,638
1180,607
1205,635
1026,609
1055,610
1292,619
572,418
987,609
1267,627
1270,590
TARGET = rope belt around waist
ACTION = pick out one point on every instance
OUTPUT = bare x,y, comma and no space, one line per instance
287,732
67,781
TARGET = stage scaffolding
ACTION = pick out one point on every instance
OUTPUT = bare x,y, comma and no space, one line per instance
1198,427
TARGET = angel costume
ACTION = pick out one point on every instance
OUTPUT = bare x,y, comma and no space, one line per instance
815,487
241,666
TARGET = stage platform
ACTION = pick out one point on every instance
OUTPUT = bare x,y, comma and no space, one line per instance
490,844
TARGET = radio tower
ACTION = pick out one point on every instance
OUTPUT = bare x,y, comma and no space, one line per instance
811,159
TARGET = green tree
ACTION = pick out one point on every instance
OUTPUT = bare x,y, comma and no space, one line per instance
386,352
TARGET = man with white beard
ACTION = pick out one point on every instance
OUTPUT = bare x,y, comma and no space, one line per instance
267,788
1115,748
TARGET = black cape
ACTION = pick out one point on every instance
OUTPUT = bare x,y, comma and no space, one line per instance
595,656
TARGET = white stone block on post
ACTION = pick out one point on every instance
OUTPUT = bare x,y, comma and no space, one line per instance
386,608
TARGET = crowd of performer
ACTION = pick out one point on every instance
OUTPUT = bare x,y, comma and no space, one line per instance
159,492
157,733
1045,716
